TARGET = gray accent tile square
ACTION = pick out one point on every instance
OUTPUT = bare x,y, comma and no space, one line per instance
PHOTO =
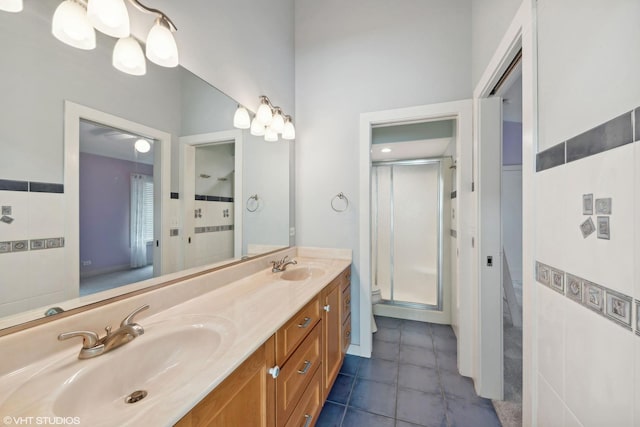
46,187
10,185
19,245
53,243
425,409
587,228
5,247
418,356
356,418
6,219
419,378
384,371
341,389
37,244
574,288
385,350
618,307
557,280
6,210
543,273
462,413
550,158
331,415
174,232
593,296
374,397
587,204
603,206
614,133
604,228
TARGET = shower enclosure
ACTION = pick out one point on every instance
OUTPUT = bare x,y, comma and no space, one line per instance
407,223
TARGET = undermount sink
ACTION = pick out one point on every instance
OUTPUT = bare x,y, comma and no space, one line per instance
301,273
157,364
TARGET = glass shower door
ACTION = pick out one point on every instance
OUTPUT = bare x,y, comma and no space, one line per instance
407,234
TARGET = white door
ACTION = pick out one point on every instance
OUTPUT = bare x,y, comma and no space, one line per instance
490,358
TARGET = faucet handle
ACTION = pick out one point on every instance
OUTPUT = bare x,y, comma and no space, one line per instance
89,339
129,319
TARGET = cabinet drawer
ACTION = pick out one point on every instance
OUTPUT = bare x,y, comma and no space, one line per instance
295,330
296,374
308,409
346,335
346,302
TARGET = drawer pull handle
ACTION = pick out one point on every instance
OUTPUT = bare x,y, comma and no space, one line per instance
274,372
305,322
348,333
307,365
327,308
347,302
307,421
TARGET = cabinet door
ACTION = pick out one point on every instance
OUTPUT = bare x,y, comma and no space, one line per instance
332,340
245,398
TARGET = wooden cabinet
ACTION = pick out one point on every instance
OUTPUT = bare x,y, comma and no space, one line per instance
244,398
308,351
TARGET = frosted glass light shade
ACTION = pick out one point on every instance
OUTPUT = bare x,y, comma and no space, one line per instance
257,128
289,131
264,114
110,17
11,5
241,118
71,26
129,58
161,46
277,124
142,146
270,135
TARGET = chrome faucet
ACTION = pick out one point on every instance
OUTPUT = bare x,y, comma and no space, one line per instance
93,345
281,265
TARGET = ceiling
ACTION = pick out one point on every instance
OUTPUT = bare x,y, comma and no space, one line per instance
106,141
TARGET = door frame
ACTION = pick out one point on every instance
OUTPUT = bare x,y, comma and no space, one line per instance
188,145
73,113
461,111
520,33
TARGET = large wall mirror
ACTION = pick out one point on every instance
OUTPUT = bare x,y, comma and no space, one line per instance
108,181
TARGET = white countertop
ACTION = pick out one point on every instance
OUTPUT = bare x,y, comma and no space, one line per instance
253,307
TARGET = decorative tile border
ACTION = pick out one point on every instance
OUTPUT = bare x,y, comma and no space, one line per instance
34,187
174,195
453,233
454,194
613,305
174,232
213,198
611,134
33,244
213,229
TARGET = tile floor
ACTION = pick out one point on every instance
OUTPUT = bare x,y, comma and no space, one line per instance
411,380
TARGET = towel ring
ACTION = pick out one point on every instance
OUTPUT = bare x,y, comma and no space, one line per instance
340,196
257,203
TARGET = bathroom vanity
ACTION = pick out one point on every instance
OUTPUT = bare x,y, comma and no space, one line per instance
239,345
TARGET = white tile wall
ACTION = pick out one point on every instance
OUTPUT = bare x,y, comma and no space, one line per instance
551,348
550,405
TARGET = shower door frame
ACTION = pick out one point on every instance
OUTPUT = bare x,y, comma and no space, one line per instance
374,232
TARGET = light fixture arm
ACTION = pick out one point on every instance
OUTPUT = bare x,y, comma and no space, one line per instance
146,9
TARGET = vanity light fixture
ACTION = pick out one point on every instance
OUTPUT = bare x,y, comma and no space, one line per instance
268,121
11,5
128,57
257,128
241,118
289,131
70,25
270,135
75,22
142,146
109,17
